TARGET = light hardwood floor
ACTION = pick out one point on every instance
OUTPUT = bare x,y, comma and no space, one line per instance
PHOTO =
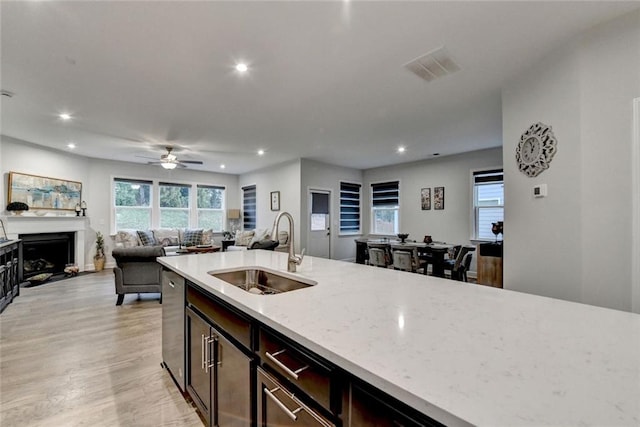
70,357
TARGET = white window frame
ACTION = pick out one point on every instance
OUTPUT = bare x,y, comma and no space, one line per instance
244,208
114,208
359,230
373,210
475,213
222,209
188,209
155,200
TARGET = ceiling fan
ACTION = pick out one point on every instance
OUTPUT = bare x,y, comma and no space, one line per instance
170,161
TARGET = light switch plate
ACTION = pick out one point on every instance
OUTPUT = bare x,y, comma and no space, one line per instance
540,190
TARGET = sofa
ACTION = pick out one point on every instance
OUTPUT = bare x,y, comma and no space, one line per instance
259,238
137,271
169,238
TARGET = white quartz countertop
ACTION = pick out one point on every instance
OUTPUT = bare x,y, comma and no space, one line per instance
460,353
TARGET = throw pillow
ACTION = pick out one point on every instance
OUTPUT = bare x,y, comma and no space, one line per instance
167,236
192,237
259,235
243,238
127,239
283,237
207,237
146,238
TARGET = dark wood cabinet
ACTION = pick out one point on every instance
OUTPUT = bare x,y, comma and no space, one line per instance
241,372
218,374
10,271
371,408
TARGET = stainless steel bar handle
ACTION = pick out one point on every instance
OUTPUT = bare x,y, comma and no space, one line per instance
207,352
284,367
202,351
291,414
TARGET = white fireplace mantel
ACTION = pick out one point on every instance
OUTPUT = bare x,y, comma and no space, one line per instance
33,224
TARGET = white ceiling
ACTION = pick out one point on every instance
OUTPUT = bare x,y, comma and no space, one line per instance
326,79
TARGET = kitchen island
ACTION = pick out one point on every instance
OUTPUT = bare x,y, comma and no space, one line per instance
459,353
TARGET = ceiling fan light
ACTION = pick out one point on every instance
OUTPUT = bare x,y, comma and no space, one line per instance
169,165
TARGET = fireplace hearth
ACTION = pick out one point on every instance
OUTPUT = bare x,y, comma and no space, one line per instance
47,252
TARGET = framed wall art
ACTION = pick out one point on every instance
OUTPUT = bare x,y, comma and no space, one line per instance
438,198
425,199
275,200
41,192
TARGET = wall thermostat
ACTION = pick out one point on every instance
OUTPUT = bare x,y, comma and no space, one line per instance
540,190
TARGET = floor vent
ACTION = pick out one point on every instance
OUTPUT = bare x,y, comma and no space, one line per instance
433,65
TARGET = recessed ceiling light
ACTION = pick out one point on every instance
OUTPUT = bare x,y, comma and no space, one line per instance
222,166
401,149
260,152
71,145
241,67
65,116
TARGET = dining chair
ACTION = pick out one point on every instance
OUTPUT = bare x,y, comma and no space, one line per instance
456,265
403,260
378,257
464,267
425,257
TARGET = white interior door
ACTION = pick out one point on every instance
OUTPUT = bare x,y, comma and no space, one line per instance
319,240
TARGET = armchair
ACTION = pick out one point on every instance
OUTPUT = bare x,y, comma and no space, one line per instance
137,271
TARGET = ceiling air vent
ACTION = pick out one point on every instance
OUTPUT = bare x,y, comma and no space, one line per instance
433,65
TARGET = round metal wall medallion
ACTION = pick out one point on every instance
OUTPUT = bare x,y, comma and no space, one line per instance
536,149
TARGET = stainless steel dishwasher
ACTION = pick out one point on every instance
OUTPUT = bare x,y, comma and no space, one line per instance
173,303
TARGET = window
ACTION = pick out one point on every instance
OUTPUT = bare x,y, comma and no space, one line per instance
385,208
210,207
249,207
174,205
132,199
488,201
349,208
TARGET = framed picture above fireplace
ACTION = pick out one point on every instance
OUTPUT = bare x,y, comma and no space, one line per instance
41,192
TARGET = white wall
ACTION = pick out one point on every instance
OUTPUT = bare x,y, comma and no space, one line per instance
96,176
284,178
454,223
576,243
323,176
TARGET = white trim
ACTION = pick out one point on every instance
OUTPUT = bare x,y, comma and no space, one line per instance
635,196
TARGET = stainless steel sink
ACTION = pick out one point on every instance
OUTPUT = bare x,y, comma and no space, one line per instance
261,282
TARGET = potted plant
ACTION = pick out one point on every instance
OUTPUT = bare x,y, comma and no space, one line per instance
16,208
99,258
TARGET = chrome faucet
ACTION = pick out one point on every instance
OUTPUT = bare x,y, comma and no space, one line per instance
293,258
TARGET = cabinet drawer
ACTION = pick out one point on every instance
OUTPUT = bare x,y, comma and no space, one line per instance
225,317
294,363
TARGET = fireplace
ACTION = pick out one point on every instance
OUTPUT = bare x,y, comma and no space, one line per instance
77,226
47,252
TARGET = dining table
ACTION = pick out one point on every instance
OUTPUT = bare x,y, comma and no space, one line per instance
433,253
